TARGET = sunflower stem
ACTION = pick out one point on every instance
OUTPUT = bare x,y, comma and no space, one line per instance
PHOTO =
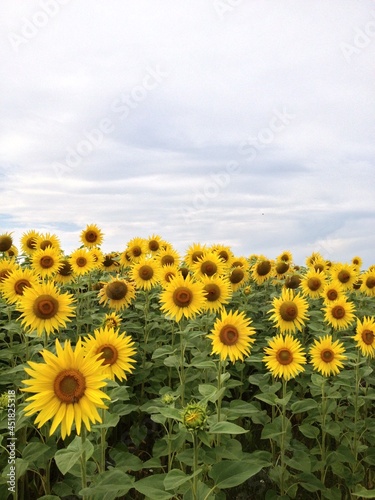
103,432
282,440
83,462
324,435
195,465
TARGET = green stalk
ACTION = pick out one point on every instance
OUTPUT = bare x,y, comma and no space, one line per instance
103,432
83,463
324,434
195,465
282,441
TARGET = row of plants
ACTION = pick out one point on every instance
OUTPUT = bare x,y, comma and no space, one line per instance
146,374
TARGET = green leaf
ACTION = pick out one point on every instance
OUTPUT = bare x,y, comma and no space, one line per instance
176,477
153,487
226,428
67,458
34,450
363,493
267,397
111,481
228,474
309,431
304,405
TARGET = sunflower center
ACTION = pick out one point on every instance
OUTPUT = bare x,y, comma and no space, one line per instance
343,276
293,281
212,292
46,262
69,386
5,243
45,244
146,272
45,307
4,274
338,312
282,267
313,284
332,294
137,251
319,267
368,337
284,356
91,236
229,335
223,255
196,255
167,259
370,282
20,285
327,355
284,257
153,245
81,261
31,243
116,290
264,267
209,268
236,276
109,354
288,311
169,276
182,296
108,261
65,269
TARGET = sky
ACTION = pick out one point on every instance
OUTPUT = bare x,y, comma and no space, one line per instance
245,123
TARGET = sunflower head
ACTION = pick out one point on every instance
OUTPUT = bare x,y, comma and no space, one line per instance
6,242
91,236
289,311
182,297
339,313
284,357
365,336
327,356
194,416
117,293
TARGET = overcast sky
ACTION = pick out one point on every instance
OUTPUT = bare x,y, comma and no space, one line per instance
248,123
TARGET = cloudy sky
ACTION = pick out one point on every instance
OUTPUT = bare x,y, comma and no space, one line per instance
248,123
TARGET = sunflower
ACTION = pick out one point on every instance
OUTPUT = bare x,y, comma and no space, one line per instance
284,357
46,262
28,242
289,311
217,291
167,273
347,274
97,255
6,267
357,262
82,261
232,336
312,283
368,283
332,291
209,264
327,356
292,281
44,308
167,257
117,293
66,389
193,253
109,262
144,273
339,313
13,286
46,240
285,256
224,253
91,236
112,320
6,242
12,252
240,262
320,265
154,244
65,272
365,336
238,277
136,249
115,351
262,270
281,268
314,257
182,297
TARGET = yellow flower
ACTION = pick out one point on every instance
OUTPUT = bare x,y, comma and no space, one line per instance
154,244
209,264
6,267
6,242
232,336
112,320
285,256
193,253
284,357
144,273
332,291
368,283
65,273
44,308
327,356
136,249
238,277
109,262
28,241
289,311
117,294
262,270
182,297
312,283
46,262
13,286
339,313
167,273
168,257
346,274
217,291
82,261
224,253
43,241
365,336
91,236
66,389
115,351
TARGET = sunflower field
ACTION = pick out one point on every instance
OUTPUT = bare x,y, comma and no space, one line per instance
148,374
